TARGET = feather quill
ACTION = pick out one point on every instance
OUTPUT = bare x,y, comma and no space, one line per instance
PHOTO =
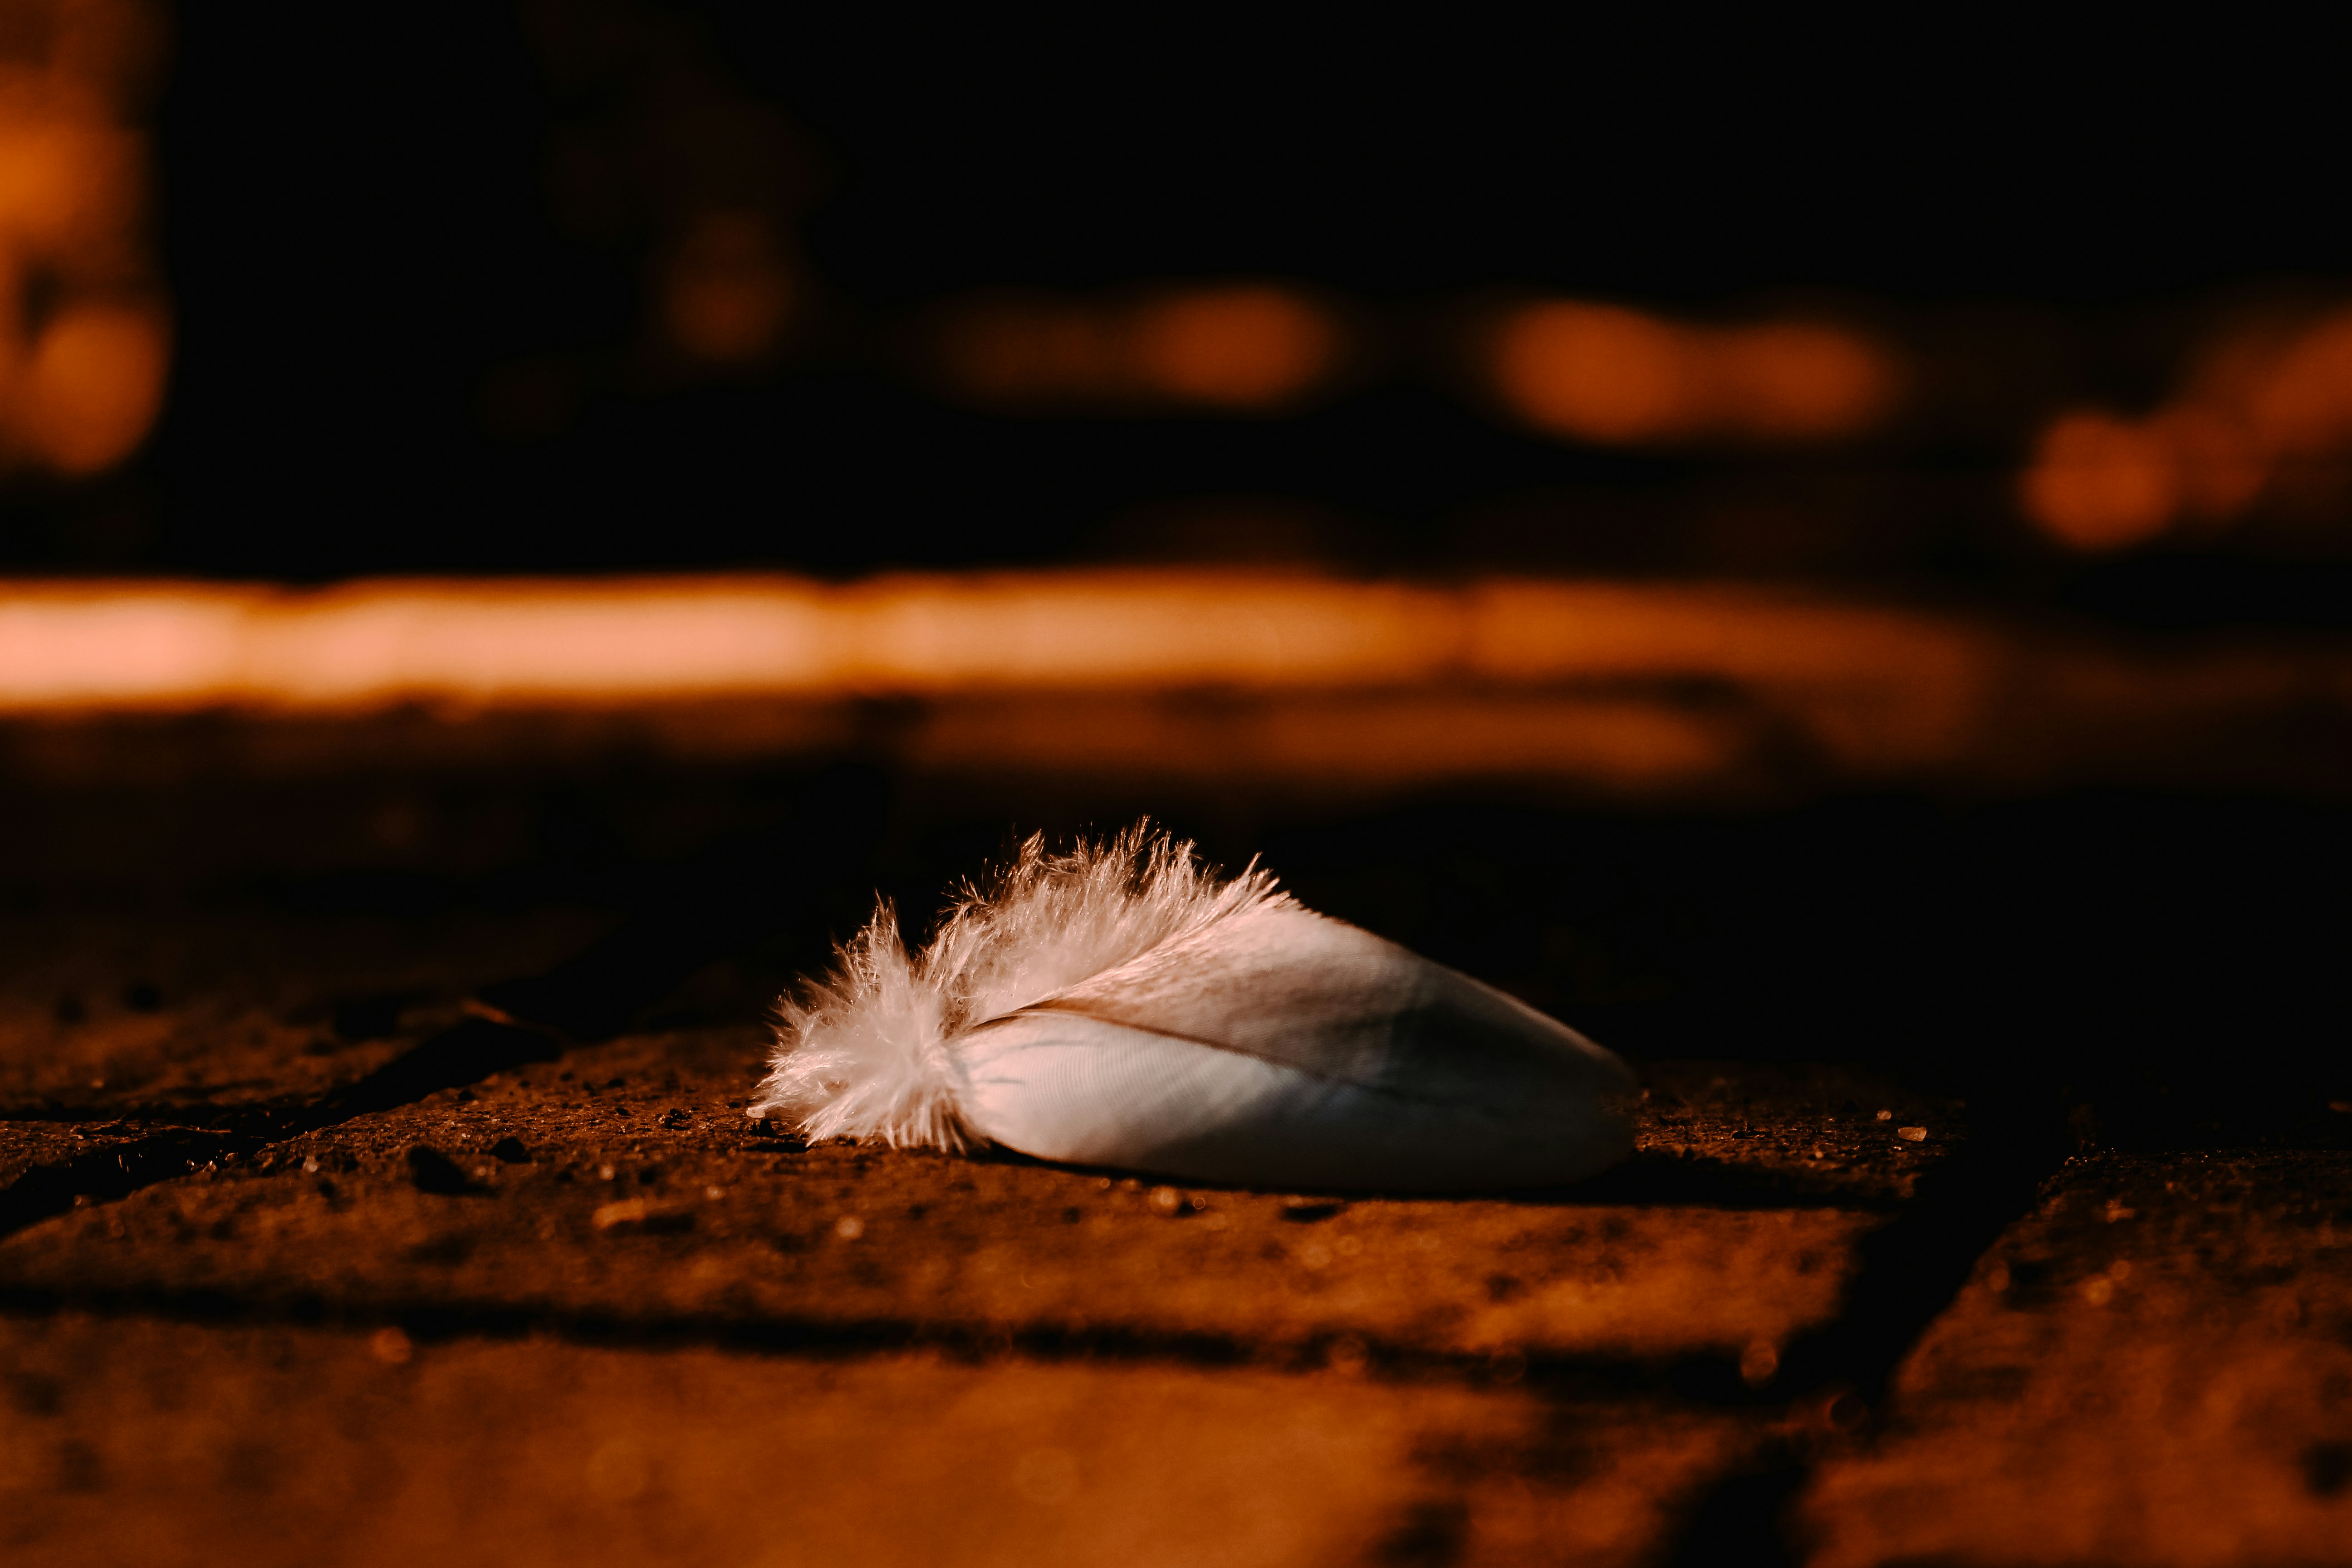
1122,1005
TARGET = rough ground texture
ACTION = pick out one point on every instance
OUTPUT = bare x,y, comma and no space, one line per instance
623,1186
166,1443
306,1258
208,1021
2154,1367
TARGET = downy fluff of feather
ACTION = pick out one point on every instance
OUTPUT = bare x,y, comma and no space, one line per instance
870,1051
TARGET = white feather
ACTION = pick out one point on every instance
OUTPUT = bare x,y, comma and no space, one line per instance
1119,1006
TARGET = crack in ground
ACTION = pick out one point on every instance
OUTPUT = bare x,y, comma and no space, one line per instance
1711,1381
1910,1271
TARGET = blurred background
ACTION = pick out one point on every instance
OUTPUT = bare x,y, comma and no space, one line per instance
1936,446
591,285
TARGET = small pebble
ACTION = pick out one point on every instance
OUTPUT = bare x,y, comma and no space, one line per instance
1884,1116
849,1227
1912,1134
1167,1200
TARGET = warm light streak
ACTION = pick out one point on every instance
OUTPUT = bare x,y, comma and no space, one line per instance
1612,376
1166,676
370,644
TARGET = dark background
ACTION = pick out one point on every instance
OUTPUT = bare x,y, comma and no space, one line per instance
360,234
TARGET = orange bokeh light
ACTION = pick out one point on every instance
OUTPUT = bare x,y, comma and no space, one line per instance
93,385
1799,380
2301,403
2262,406
82,374
2100,483
1596,374
67,182
1238,347
1614,376
728,294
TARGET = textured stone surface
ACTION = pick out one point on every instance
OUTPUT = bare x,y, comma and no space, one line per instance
163,1444
622,1185
747,1350
1796,1131
2155,1367
29,1145
194,1016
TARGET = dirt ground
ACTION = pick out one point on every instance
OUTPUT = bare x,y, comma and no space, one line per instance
323,1239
